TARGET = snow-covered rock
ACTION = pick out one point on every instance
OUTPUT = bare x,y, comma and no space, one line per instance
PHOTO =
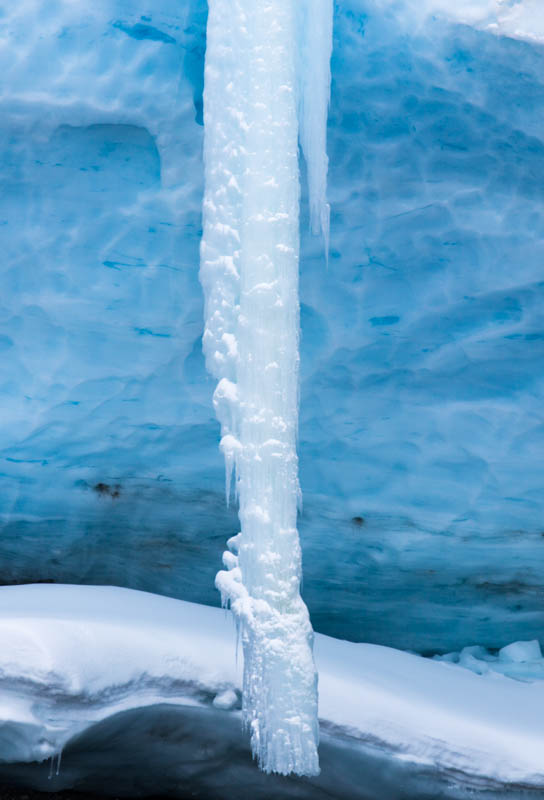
74,656
421,401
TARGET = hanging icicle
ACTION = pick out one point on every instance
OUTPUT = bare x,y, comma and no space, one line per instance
249,272
314,88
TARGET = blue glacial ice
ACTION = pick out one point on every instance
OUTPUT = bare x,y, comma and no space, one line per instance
421,429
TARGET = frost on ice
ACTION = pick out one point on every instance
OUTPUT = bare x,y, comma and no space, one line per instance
263,64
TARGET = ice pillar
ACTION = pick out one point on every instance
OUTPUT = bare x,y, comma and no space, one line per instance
249,272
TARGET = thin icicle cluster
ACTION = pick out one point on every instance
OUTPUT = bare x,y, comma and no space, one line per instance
314,88
254,85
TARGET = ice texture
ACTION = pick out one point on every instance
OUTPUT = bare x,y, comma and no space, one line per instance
522,19
249,271
421,428
314,47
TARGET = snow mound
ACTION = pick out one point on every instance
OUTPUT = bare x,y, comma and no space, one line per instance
522,661
73,656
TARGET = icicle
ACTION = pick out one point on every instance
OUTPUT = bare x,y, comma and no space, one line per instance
54,771
249,273
314,73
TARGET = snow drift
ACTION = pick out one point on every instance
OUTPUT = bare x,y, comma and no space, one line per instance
72,656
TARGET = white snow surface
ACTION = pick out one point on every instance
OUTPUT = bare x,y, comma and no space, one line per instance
73,655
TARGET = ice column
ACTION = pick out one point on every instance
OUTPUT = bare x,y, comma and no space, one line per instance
249,272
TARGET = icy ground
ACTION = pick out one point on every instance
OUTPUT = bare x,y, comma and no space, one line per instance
75,658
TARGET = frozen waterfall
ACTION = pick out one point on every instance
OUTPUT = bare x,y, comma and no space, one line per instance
258,75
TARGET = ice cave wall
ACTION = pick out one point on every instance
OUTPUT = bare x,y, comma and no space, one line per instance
421,433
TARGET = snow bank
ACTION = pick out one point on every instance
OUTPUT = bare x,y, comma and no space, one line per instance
72,656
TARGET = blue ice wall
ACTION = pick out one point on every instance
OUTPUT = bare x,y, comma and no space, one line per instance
422,432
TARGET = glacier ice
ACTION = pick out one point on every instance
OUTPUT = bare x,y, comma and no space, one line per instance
421,351
523,19
314,47
250,261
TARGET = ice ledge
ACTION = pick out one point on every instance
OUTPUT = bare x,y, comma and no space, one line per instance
517,19
73,656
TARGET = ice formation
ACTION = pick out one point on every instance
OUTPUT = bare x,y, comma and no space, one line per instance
314,37
254,82
421,347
